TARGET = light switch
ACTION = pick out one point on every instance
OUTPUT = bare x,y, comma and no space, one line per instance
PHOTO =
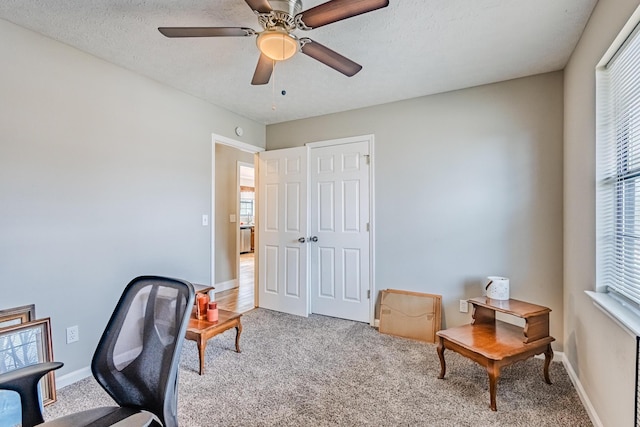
232,218
205,220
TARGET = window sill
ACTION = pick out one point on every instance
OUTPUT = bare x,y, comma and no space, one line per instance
625,316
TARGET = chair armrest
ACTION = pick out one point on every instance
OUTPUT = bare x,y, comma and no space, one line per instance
7,379
24,381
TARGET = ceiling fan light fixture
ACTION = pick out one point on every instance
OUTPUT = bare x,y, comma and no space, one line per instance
277,44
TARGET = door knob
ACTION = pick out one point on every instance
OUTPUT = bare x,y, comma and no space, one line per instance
314,238
302,240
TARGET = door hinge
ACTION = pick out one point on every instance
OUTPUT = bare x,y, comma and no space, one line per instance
368,228
367,158
368,294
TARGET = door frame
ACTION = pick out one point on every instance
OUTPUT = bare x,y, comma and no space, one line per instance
242,146
370,138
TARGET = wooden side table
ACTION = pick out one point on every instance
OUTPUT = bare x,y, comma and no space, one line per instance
494,344
202,289
201,331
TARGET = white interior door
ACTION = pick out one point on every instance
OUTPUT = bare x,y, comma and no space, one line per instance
340,274
282,257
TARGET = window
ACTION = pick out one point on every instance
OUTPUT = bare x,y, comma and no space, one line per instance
618,172
247,207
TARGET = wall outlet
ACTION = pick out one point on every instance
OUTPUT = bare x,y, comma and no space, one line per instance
73,334
464,306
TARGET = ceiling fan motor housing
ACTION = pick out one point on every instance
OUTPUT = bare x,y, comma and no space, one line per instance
281,15
292,7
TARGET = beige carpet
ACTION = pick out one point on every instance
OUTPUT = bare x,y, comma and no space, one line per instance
321,371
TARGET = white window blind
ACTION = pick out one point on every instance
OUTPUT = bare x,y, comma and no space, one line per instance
618,171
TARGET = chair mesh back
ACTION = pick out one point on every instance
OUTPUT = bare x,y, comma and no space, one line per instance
137,358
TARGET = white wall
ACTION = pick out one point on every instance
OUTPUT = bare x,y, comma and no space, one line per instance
104,175
468,184
600,352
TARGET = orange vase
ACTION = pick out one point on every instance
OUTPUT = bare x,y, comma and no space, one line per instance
202,302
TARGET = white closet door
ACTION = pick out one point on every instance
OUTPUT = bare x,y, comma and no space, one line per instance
340,282
282,210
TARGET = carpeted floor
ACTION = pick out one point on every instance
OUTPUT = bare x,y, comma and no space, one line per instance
321,371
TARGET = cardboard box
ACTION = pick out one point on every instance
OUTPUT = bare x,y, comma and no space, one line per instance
410,314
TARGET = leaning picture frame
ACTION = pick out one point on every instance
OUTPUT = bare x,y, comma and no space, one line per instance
26,344
17,315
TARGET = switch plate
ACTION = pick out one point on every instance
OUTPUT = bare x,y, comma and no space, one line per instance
464,306
232,218
73,334
205,220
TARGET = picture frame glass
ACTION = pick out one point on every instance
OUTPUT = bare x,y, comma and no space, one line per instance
22,345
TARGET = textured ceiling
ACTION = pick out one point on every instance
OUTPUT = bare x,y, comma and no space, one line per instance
409,49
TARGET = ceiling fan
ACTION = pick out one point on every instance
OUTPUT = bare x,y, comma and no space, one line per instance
279,18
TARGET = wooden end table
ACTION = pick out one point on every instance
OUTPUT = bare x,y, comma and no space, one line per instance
201,331
202,289
494,344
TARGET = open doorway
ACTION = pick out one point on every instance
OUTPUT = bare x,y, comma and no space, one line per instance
235,229
233,217
246,236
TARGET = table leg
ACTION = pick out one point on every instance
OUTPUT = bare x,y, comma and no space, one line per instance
494,373
548,357
238,332
443,366
202,345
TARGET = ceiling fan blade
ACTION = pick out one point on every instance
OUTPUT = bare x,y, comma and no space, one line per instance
206,31
263,70
336,10
329,57
260,6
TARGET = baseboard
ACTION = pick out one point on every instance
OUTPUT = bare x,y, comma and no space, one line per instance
225,286
558,356
591,411
72,377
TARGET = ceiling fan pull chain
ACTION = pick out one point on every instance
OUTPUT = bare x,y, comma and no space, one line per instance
273,86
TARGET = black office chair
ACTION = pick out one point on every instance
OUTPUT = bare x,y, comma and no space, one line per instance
136,361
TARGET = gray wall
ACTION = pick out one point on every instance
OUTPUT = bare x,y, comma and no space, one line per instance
600,352
467,184
104,175
227,187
